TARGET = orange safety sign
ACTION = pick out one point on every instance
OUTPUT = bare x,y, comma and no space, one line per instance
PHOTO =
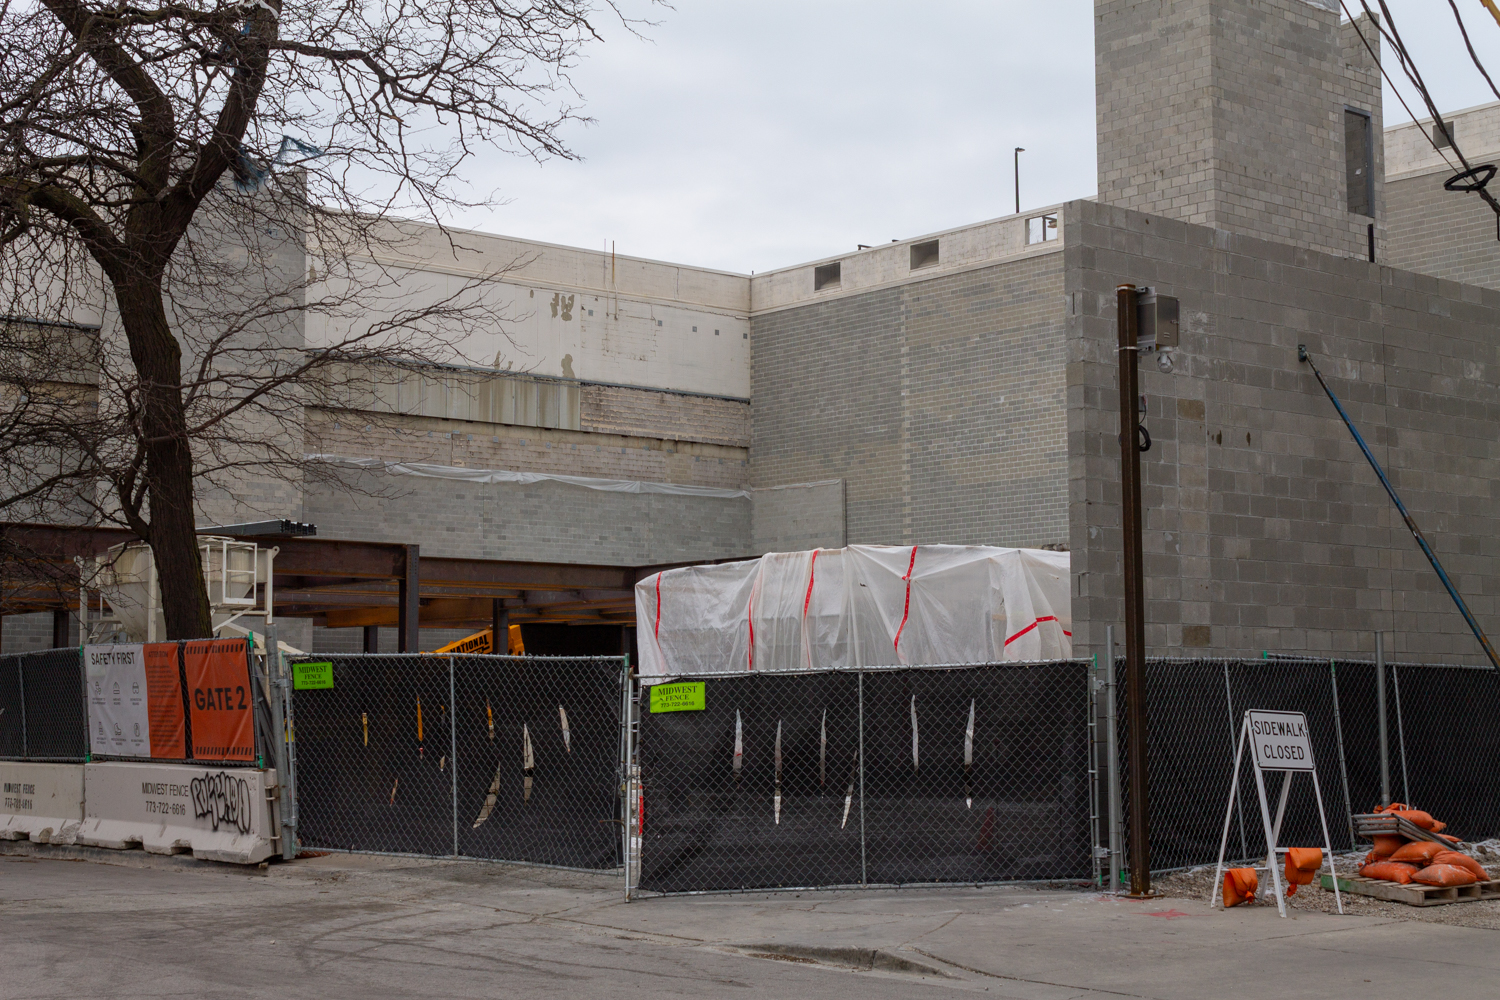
164,700
220,700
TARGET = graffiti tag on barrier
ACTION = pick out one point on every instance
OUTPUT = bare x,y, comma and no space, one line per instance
224,799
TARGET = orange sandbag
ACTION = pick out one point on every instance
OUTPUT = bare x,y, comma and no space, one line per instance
1420,818
1444,875
1302,864
1463,861
1389,871
1417,816
1387,844
1240,885
1419,852
1450,838
1374,857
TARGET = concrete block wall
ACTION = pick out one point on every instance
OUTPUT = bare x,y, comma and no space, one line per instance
1230,113
798,517
939,402
526,449
543,522
1446,234
1265,529
667,416
1476,130
24,633
556,311
888,265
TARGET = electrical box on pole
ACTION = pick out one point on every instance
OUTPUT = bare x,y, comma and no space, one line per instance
1157,321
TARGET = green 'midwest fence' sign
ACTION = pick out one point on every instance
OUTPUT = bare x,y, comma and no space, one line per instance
312,676
677,697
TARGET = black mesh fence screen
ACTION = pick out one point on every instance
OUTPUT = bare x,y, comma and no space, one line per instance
1451,746
568,712
12,709
386,763
42,712
1439,737
916,812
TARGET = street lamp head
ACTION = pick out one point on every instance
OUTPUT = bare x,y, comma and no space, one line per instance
1020,149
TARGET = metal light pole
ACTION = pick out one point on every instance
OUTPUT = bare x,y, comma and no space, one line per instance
1135,597
1019,151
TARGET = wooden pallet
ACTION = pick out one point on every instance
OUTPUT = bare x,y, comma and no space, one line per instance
1413,893
1373,824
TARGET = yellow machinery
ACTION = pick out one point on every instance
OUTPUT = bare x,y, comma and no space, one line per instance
483,642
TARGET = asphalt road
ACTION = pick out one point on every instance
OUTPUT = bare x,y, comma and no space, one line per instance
363,928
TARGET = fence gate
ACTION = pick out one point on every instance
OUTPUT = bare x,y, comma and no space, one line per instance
508,758
881,776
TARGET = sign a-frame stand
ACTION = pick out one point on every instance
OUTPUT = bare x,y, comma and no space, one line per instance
1279,741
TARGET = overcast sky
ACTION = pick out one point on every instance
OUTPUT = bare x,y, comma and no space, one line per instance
754,134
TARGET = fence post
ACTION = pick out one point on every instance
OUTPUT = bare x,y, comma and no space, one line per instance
1097,851
1401,735
83,688
1385,747
622,773
863,870
453,749
21,682
279,700
1112,749
1338,728
1239,806
289,711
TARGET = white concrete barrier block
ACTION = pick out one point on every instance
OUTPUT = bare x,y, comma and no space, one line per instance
217,813
41,802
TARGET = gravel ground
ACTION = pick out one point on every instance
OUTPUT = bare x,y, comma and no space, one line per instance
1195,883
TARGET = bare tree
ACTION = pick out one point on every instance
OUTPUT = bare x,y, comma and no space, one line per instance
175,167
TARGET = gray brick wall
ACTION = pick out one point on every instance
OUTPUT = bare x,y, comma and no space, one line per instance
1265,529
24,633
939,402
798,517
438,441
668,415
1229,113
1441,233
545,522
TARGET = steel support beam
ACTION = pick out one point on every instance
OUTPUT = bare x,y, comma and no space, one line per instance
408,601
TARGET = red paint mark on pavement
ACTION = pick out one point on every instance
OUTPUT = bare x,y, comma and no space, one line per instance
1165,914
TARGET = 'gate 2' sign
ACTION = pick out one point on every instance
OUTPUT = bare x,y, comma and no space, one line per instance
1280,741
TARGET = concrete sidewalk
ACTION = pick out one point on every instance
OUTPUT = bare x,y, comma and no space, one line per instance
363,927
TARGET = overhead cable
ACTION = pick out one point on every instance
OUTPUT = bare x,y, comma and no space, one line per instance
1394,89
1472,54
1471,178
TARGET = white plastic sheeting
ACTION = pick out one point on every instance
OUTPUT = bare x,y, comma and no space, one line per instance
526,478
864,605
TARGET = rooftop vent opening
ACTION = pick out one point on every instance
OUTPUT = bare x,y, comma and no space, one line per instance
1442,134
827,276
1041,229
924,254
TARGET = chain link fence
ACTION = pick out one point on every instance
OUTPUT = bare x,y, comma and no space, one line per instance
42,711
507,758
1443,755
882,776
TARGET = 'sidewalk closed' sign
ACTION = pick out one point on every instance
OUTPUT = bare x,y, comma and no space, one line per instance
1279,741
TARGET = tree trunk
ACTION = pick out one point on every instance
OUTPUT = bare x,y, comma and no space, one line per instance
169,459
